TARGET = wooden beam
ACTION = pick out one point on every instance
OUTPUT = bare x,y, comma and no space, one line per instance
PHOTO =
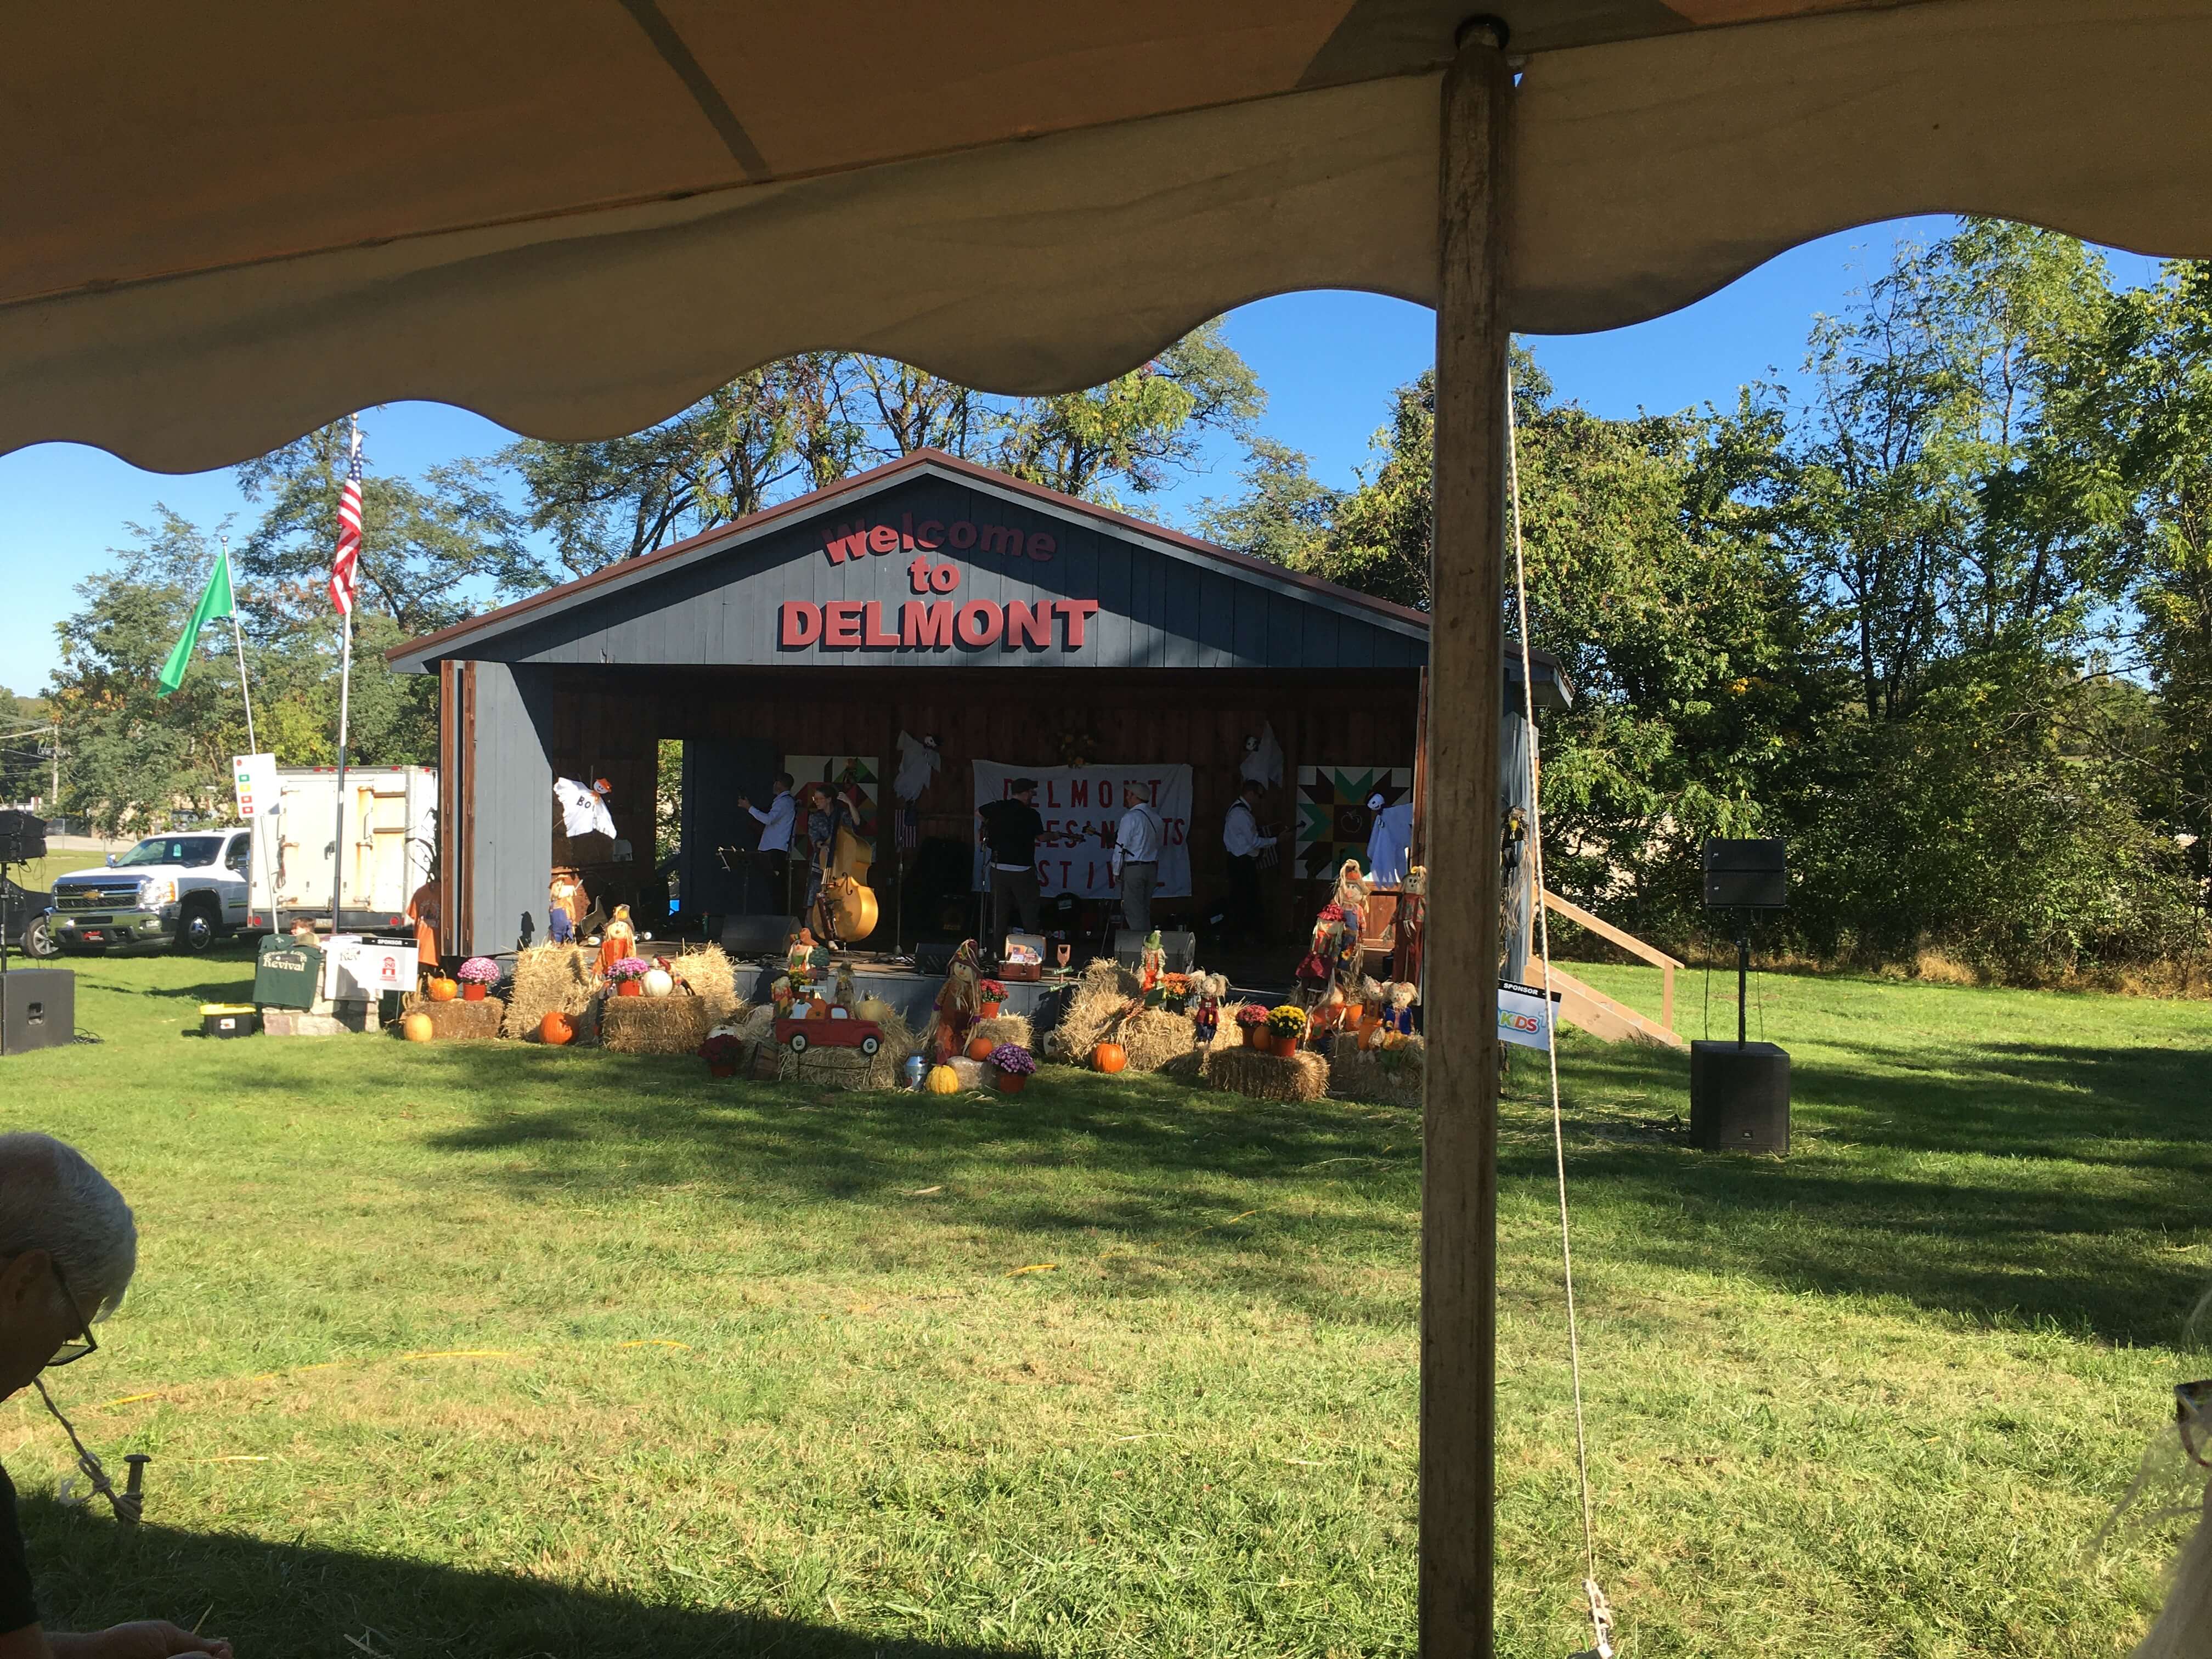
1604,929
1459,1171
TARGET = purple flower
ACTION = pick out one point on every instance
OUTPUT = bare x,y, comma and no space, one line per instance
479,970
1013,1060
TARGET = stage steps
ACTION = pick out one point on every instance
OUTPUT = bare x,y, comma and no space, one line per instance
1591,1010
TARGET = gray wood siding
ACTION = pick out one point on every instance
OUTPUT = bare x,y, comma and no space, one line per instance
512,784
1159,606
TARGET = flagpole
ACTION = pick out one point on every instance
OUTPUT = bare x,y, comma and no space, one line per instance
238,639
345,689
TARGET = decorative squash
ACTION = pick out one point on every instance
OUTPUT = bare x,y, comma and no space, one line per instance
1108,1057
942,1080
818,1009
443,989
874,1008
556,1029
659,981
980,1048
416,1027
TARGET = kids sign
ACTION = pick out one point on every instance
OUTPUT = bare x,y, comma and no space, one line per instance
937,618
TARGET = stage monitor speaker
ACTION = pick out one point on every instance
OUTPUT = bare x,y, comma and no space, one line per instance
756,936
23,837
1746,875
1129,948
1739,1097
38,1009
933,959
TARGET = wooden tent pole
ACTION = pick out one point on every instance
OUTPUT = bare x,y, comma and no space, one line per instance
1459,1175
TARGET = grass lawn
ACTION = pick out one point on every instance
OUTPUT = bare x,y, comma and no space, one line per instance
509,1352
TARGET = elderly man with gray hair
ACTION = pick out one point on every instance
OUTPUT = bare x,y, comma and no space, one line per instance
68,1246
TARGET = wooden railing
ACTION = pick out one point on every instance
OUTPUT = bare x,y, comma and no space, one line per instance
1628,941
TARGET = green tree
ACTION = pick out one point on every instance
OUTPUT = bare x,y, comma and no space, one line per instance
1284,513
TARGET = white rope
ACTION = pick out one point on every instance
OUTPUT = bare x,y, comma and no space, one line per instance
1601,1614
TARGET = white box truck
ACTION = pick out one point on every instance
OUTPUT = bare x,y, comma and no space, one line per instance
390,841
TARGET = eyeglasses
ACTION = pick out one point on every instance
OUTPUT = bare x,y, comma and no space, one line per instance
70,1352
2192,1415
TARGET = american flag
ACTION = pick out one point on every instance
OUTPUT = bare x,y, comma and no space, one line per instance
345,566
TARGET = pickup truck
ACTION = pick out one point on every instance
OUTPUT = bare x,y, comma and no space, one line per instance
183,891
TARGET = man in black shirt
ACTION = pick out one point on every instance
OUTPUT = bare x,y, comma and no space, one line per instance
1011,829
68,1246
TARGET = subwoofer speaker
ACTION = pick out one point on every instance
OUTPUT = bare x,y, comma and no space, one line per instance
1739,1097
38,1009
1181,947
23,837
933,959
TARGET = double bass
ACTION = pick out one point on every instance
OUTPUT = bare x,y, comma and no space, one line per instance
847,907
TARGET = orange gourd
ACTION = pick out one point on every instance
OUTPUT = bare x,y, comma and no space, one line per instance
416,1027
1108,1057
980,1048
557,1028
444,990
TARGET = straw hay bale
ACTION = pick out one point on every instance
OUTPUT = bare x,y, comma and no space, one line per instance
972,1073
549,979
1390,1076
1303,1076
1102,991
1153,1036
710,976
654,1025
849,1068
1005,1028
457,1021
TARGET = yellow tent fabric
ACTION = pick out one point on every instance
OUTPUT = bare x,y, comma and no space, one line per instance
224,225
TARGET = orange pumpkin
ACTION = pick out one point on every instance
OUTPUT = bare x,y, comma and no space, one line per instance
1108,1057
557,1028
818,1009
443,990
980,1048
416,1027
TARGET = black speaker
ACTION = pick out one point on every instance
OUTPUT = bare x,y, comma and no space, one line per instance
933,959
38,1009
1746,875
23,837
1739,1097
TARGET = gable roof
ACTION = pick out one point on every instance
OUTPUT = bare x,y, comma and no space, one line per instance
473,636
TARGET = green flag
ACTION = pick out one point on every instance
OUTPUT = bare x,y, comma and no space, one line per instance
215,602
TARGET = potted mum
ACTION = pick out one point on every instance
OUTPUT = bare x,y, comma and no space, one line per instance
1011,1066
476,975
990,994
722,1054
1252,1021
1175,992
1286,1023
628,976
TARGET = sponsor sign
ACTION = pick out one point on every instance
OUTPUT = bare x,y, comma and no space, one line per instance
1525,1015
254,778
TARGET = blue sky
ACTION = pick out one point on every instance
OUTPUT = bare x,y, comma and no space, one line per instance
1330,361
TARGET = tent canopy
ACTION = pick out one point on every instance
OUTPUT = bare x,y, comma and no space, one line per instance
227,225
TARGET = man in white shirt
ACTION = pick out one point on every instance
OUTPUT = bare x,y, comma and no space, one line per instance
1137,856
775,834
1242,839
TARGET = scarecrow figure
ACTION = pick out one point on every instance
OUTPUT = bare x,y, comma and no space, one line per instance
961,995
566,901
1206,1014
620,940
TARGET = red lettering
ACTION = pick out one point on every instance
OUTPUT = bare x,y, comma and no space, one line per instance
1051,792
872,628
1001,538
944,578
882,539
847,544
841,624
802,621
1028,624
1074,614
926,625
961,532
917,575
979,622
1042,545
906,531
1079,792
929,535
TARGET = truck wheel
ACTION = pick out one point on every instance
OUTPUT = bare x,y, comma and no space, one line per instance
869,1045
799,1042
196,928
39,940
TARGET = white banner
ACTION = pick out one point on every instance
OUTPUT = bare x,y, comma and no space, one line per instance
1525,1015
1081,806
254,779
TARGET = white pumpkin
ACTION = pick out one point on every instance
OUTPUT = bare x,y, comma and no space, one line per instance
874,1008
658,982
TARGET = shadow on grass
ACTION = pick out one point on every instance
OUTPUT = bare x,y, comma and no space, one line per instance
2006,1181
305,1602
